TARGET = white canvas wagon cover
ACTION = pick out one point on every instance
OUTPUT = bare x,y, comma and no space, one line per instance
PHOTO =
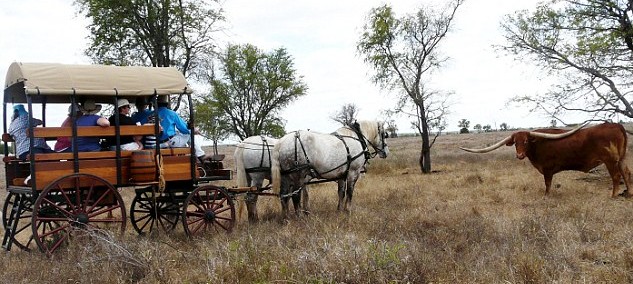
53,79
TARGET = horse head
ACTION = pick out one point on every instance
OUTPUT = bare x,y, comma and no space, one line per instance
375,134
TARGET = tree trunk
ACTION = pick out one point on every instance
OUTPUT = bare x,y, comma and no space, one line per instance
425,154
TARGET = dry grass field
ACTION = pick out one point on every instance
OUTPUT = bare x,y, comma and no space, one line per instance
479,218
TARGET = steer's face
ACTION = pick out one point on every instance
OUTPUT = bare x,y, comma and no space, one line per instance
520,140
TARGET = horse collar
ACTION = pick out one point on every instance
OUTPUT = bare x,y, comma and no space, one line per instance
361,138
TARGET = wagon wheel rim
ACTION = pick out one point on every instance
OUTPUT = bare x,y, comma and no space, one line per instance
208,209
74,205
150,215
23,237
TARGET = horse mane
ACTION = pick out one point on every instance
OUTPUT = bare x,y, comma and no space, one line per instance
369,128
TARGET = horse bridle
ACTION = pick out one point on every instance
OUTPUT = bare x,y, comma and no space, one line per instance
364,141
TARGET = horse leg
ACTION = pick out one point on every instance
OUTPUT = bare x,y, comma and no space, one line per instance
251,202
304,198
284,190
341,194
296,199
350,192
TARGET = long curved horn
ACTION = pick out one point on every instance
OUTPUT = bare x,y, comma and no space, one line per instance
557,136
490,148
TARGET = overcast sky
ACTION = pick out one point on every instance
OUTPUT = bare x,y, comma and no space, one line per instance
321,37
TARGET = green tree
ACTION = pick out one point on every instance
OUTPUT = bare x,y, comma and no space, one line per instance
487,128
463,125
403,53
392,128
587,43
152,33
503,126
253,87
211,122
346,115
477,127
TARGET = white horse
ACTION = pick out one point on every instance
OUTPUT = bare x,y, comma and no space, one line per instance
252,161
301,156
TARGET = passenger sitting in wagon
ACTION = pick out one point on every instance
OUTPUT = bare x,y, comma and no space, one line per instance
144,115
129,143
63,144
175,132
17,130
90,118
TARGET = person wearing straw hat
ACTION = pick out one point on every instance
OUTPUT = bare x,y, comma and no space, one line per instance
17,130
63,143
90,118
129,143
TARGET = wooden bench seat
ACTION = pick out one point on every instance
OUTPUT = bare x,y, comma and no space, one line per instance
50,166
93,131
105,154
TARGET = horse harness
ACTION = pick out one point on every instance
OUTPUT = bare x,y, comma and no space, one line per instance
314,173
265,149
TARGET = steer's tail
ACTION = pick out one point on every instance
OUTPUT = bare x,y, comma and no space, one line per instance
624,169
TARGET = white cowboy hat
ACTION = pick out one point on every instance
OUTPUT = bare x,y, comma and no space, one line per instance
122,102
89,107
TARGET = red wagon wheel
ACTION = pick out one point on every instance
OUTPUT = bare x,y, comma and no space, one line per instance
208,209
76,205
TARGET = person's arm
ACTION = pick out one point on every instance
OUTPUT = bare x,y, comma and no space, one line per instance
37,122
103,122
181,125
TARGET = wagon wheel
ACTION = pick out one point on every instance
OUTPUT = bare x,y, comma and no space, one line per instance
152,211
208,209
73,206
23,237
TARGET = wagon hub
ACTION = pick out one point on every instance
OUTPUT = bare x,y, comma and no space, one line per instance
209,215
82,218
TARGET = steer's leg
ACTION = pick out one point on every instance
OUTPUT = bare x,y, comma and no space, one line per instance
626,175
548,182
614,172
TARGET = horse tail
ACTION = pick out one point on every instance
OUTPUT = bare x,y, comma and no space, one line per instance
275,169
242,181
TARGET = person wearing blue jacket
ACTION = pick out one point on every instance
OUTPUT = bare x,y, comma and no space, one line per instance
175,132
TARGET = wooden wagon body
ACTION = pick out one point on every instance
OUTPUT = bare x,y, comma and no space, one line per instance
54,197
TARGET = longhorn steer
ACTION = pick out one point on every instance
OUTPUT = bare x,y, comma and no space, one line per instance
554,150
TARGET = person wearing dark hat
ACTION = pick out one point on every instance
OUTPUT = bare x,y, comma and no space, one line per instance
129,143
145,115
90,118
17,130
63,143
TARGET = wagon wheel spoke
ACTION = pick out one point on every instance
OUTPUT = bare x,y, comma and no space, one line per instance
72,204
150,213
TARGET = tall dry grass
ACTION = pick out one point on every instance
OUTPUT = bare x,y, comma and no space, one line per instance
476,219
